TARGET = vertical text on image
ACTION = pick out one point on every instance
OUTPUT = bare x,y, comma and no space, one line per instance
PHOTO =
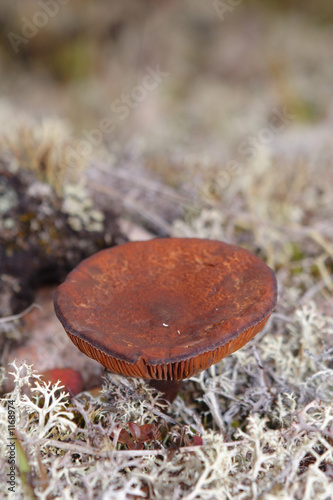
11,475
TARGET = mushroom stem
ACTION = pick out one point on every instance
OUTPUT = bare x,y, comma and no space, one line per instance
169,388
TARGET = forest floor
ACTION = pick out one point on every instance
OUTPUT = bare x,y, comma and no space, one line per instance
185,120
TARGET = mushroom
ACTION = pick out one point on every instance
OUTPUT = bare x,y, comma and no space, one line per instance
165,309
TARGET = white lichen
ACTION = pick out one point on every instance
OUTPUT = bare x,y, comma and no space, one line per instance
79,207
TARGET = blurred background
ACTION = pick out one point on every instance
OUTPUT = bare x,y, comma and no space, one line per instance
227,102
134,119
181,118
228,65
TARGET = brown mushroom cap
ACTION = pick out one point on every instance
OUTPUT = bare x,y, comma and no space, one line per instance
165,309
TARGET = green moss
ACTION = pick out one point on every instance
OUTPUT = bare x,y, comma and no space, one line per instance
297,253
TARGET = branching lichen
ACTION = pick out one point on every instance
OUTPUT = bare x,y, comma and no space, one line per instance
265,415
